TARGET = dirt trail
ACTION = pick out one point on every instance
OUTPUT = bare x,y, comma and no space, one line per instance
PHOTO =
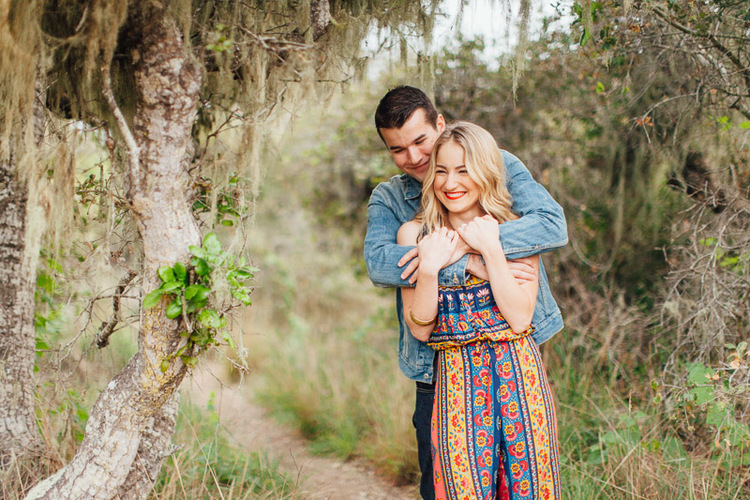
318,477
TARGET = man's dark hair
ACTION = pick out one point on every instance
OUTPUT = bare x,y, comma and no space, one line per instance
399,104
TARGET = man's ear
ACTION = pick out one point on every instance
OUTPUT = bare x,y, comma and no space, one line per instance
440,122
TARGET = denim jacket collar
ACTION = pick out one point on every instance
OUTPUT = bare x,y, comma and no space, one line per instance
413,188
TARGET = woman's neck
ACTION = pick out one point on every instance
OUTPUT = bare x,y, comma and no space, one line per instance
458,219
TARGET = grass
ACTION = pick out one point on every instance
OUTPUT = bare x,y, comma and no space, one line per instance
626,447
209,466
343,391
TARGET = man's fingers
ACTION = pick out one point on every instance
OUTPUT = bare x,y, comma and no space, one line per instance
526,264
407,257
414,277
522,276
410,271
522,270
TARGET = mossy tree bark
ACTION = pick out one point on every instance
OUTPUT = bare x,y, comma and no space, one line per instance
130,427
18,432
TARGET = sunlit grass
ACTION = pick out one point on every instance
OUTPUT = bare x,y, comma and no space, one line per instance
344,392
208,466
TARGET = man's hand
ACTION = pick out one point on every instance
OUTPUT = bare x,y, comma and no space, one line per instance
412,258
475,265
523,270
411,270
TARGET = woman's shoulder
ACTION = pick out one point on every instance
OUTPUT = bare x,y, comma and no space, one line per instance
408,233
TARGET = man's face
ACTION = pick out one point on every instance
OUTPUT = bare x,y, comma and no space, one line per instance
411,145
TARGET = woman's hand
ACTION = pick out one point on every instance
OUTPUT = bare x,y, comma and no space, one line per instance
482,234
436,250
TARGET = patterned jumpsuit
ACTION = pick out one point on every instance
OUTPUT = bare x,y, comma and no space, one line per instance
494,429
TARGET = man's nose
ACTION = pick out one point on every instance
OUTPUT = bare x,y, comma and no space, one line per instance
414,155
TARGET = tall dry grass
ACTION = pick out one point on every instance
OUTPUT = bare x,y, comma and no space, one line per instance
209,465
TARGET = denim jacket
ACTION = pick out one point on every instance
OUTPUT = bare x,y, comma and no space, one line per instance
541,228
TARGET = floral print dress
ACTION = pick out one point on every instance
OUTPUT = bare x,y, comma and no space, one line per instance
494,429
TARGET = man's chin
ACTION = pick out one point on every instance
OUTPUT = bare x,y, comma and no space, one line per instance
420,173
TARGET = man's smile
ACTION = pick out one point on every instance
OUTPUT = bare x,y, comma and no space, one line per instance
426,164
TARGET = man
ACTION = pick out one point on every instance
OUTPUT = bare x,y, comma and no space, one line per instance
409,124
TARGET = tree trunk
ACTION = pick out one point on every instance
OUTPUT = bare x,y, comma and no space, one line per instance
18,431
129,430
156,441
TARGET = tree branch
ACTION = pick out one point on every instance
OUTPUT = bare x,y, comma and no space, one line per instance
320,17
107,328
134,151
658,10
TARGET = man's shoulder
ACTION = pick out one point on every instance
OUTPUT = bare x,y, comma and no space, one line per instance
510,159
395,186
398,181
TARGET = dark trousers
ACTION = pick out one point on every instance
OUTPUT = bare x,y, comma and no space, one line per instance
421,420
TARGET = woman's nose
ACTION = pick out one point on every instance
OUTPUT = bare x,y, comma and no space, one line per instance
450,181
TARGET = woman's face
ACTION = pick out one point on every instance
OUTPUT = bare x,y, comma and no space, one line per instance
453,186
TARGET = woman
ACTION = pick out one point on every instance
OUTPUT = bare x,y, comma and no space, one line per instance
494,431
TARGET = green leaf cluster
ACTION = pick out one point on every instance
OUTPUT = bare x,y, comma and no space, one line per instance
627,435
49,321
229,203
729,259
190,290
223,42
713,392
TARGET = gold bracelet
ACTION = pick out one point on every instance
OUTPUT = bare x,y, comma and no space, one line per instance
420,322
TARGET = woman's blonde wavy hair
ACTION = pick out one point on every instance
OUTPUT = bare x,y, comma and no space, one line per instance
484,164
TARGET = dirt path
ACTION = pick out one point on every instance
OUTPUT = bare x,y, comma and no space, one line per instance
318,477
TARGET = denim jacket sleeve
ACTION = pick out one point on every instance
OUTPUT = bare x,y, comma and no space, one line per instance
381,251
541,226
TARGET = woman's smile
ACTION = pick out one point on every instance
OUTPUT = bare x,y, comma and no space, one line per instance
454,195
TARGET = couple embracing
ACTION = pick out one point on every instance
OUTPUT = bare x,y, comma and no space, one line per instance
459,234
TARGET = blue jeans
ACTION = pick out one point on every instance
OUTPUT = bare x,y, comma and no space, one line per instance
422,419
